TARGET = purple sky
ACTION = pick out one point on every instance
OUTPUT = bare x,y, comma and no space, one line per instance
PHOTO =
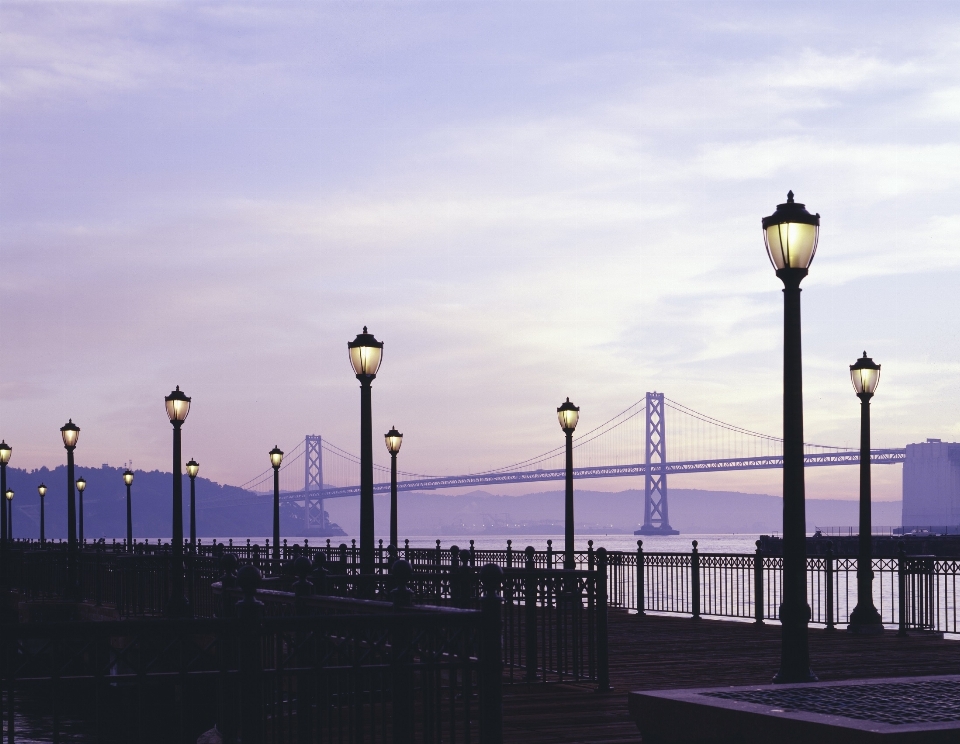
523,200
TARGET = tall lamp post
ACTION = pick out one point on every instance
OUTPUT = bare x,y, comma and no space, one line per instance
193,467
178,406
9,494
366,353
128,482
393,439
42,490
276,458
865,619
70,433
81,487
568,414
5,451
790,234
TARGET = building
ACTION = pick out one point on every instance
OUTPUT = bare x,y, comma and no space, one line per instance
931,485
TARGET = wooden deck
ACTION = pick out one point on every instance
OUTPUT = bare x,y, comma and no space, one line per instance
666,652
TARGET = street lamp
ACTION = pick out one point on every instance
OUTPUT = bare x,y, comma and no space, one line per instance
81,487
790,234
276,457
366,353
5,451
568,414
42,490
178,406
193,467
393,439
70,433
128,481
865,619
9,494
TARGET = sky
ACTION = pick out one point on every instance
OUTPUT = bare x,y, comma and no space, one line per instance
525,201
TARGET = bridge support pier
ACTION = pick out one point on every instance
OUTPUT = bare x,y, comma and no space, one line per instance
655,507
315,518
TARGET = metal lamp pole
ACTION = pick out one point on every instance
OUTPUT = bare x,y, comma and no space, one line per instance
178,406
568,414
393,439
128,482
9,494
70,433
276,458
5,451
193,467
81,487
366,353
42,490
865,619
790,234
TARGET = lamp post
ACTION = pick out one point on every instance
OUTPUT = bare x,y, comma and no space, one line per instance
128,482
193,467
276,457
790,235
9,494
5,451
178,406
366,353
865,619
70,433
568,414
42,490
393,439
81,487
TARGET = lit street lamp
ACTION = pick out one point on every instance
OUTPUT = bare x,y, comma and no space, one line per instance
276,457
70,433
178,406
193,467
42,490
9,494
81,487
865,619
393,439
366,353
568,414
790,234
128,481
5,451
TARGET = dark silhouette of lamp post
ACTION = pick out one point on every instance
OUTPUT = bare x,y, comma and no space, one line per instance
276,458
366,353
193,467
178,406
790,234
5,451
81,487
42,490
393,439
9,494
70,433
128,482
865,619
568,414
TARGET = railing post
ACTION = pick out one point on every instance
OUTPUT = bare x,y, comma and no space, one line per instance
603,662
641,609
695,581
758,584
902,581
97,588
491,656
406,549
509,553
549,554
250,610
455,597
829,578
530,618
401,656
473,556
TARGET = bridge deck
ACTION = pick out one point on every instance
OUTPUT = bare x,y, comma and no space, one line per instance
665,652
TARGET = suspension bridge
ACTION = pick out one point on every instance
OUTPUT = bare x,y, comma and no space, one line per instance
632,443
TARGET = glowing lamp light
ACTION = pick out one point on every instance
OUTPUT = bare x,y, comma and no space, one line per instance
178,406
276,457
42,490
9,494
393,439
193,467
365,354
81,484
70,433
865,375
568,414
5,451
790,234
128,476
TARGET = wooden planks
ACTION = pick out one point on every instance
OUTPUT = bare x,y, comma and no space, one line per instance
667,652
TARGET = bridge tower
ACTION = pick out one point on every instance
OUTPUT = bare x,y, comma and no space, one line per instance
655,512
316,517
